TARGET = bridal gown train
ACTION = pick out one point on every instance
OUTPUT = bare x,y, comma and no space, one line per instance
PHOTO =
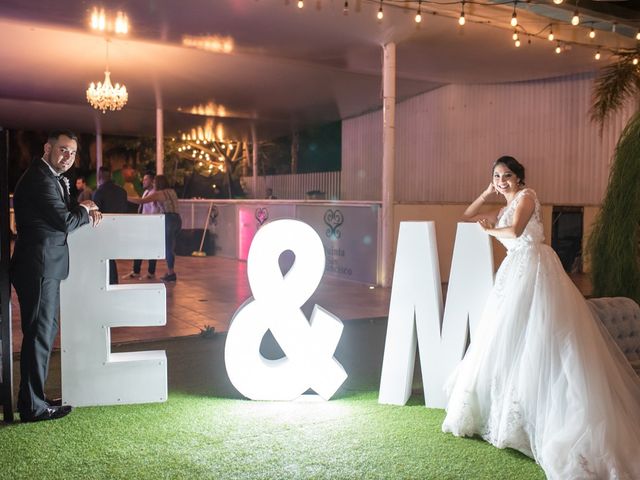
541,374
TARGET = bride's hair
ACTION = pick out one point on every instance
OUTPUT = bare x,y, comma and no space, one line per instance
512,164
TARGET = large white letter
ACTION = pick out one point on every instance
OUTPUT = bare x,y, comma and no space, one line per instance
308,346
90,307
416,306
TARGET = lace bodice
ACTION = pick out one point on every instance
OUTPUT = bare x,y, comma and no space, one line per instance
533,232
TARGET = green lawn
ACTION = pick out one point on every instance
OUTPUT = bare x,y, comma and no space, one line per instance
199,437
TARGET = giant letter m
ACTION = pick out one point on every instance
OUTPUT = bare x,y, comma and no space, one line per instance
415,311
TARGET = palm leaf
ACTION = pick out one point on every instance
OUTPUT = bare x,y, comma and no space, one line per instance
616,84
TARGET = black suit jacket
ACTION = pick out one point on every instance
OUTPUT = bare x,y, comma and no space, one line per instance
44,216
111,198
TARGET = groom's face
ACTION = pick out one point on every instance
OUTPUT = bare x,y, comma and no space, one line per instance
61,153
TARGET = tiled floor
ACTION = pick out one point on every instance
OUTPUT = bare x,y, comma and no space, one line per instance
210,289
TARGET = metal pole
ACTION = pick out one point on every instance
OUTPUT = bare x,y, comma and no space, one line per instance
388,160
6,375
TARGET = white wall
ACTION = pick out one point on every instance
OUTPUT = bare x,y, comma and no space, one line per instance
447,139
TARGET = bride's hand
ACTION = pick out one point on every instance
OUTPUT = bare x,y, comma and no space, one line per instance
490,190
485,224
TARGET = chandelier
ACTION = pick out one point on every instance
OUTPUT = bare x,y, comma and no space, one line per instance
105,96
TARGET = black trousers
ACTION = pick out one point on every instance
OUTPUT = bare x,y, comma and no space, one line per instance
39,300
137,266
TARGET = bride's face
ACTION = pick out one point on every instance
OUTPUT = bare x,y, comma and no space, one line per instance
504,180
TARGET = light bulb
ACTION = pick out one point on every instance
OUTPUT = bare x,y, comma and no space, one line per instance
635,61
300,3
462,20
514,19
592,33
558,49
517,43
558,2
597,55
345,9
418,17
551,36
380,13
638,35
575,20
515,35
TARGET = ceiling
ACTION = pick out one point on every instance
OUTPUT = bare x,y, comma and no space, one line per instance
290,67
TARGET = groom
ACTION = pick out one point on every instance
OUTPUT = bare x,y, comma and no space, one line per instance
44,214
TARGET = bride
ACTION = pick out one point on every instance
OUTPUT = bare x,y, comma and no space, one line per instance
541,375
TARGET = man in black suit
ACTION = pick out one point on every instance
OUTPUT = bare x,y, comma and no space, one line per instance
45,213
110,198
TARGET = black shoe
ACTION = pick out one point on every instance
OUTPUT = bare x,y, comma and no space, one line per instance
50,413
169,277
54,402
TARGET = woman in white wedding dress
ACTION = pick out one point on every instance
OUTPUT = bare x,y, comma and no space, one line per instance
541,374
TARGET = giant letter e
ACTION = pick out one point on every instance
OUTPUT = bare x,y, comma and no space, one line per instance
90,307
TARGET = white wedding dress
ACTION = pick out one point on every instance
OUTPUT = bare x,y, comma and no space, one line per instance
541,374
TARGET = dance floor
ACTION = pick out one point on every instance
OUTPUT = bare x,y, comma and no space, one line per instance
210,289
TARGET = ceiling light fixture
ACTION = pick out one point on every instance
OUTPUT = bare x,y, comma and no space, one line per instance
575,20
105,96
462,20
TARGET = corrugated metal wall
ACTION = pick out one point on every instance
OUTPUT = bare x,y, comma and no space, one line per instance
447,139
294,187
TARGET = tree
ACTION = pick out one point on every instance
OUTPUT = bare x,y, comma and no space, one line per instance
613,245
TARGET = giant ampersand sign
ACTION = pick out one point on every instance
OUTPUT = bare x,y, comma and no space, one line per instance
308,345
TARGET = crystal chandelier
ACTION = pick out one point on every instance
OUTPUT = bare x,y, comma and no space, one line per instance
106,96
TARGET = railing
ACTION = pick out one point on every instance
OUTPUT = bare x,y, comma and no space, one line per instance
295,186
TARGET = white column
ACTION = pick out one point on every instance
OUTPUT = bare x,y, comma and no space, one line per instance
388,159
254,151
159,142
98,146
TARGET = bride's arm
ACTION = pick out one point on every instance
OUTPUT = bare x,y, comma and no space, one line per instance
524,209
471,214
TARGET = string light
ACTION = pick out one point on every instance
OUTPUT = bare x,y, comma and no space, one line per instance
638,35
419,13
515,35
380,12
517,42
514,17
592,33
597,55
575,20
462,20
551,36
300,3
558,48
558,2
635,61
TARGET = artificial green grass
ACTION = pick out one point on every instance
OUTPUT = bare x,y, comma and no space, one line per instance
204,437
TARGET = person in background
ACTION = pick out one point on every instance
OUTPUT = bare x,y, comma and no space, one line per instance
270,195
84,192
45,214
110,198
149,208
167,201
